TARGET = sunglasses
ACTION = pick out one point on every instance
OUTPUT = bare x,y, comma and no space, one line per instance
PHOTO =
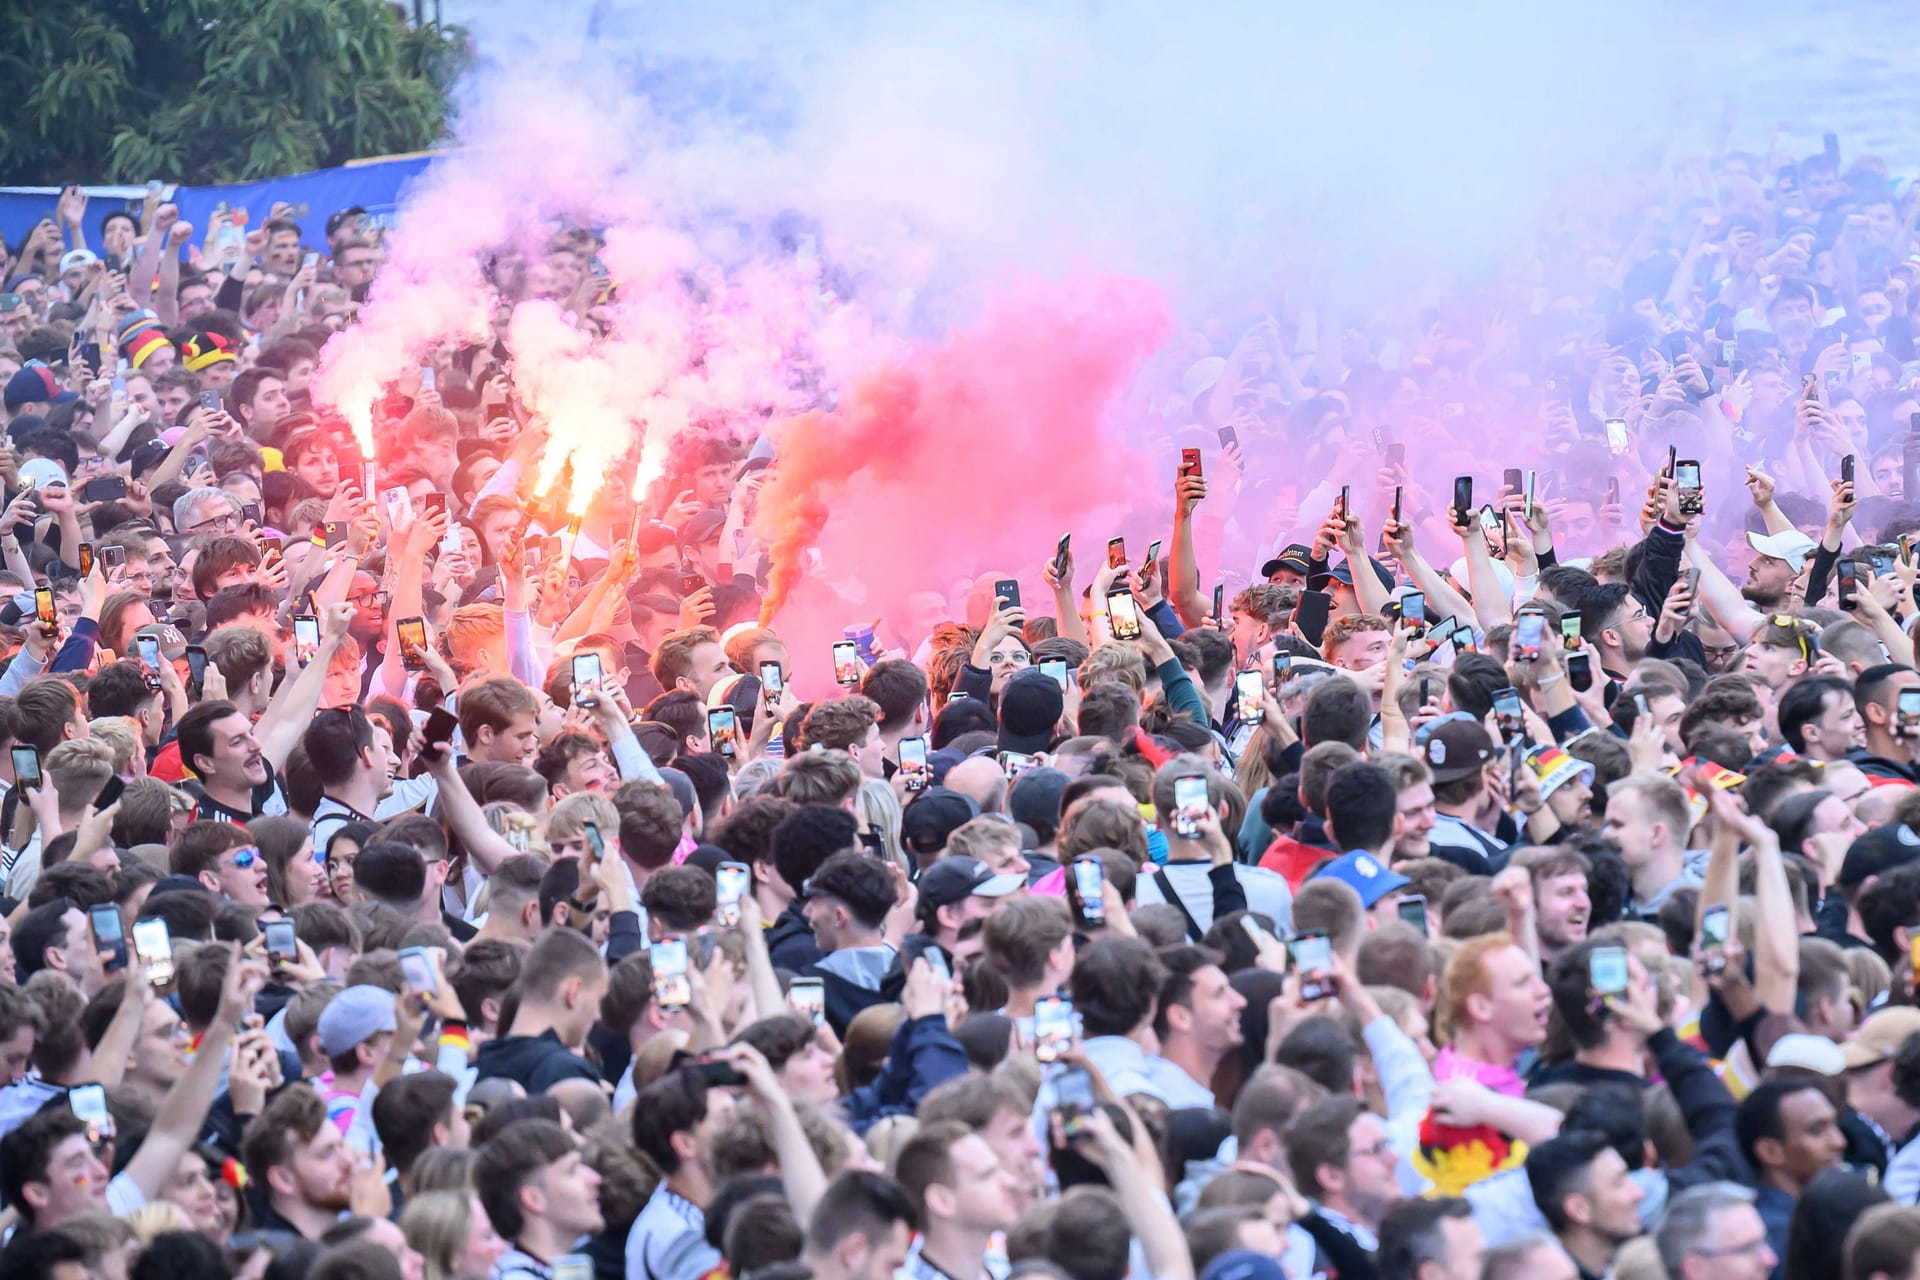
244,858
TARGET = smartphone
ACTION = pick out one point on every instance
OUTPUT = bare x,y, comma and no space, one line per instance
1619,442
1396,506
282,943
1849,585
1607,971
398,504
1014,763
1219,601
1060,554
1529,631
772,682
1190,805
86,559
1580,671
1282,666
1249,692
440,726
1462,496
1846,469
1396,454
1570,630
112,557
1312,956
417,967
1713,938
43,606
1124,613
306,638
26,767
1346,502
110,793
148,649
1413,911
1311,614
1073,1098
1053,1028
109,935
1008,592
1189,463
1413,608
1055,669
413,643
846,663
1507,713
310,261
913,763
1228,436
1907,709
1116,553
426,377
722,731
596,843
731,880
89,1103
1152,562
808,998
211,400
154,948
1510,481
1089,879
671,987
1613,491
1686,478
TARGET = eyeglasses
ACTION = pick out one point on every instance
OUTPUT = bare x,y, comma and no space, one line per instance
1732,1250
1382,1148
371,600
226,524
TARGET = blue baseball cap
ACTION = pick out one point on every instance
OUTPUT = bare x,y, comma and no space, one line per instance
1365,874
1243,1264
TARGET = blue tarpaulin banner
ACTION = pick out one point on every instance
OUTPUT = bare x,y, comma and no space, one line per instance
375,184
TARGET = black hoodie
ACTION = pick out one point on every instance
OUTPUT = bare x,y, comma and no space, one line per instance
790,943
535,1061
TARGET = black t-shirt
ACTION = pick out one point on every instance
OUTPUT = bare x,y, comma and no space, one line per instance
207,809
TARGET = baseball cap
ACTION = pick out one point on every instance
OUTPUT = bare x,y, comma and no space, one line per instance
952,879
1879,851
1807,1052
1880,1036
1343,573
1789,545
938,813
1295,557
38,473
1457,749
1031,704
34,382
173,645
353,1017
1364,874
77,258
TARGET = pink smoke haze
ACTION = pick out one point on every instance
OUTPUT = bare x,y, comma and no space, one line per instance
967,457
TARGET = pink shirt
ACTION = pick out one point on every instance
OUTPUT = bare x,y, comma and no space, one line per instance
1450,1065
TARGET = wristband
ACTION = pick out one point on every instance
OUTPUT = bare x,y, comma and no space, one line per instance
1548,683
453,1035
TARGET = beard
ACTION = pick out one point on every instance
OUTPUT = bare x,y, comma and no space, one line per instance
1761,596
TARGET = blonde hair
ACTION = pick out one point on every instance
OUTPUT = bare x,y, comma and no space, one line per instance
1114,661
79,767
880,811
119,733
436,1225
570,817
978,836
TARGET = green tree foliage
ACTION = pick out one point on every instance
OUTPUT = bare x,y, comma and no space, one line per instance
215,90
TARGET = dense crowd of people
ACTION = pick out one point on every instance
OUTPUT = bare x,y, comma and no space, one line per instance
1414,873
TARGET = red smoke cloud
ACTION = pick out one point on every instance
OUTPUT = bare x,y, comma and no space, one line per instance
966,457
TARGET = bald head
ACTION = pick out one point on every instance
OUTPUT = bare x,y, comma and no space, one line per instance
982,780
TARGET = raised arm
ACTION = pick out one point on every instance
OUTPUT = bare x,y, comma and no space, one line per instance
184,1110
292,708
1183,565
